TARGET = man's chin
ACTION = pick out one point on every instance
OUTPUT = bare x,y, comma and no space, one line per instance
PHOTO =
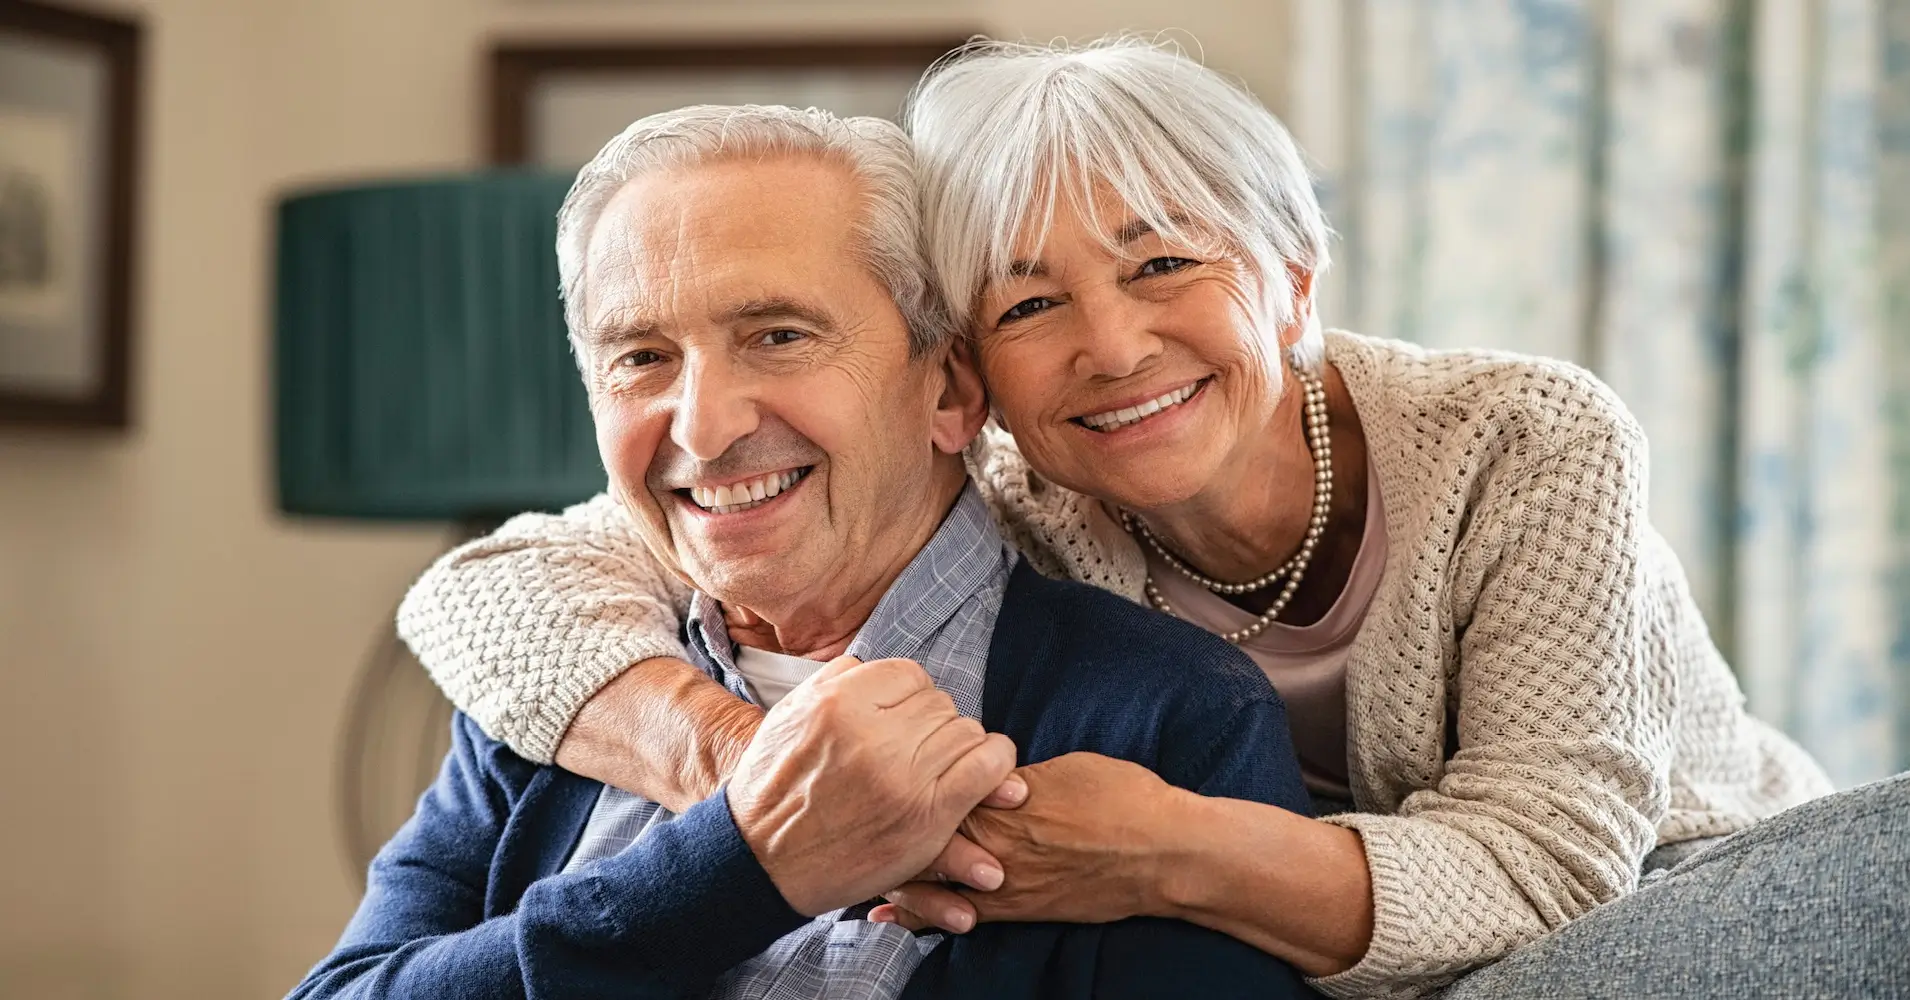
719,561
755,581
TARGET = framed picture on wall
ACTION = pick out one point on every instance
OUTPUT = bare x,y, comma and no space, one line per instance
68,135
555,105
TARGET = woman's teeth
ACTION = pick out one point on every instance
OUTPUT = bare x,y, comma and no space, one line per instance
738,497
1114,420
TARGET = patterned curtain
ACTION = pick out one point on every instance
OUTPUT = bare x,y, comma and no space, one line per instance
1708,203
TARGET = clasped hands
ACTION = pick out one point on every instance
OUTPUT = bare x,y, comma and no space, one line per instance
866,781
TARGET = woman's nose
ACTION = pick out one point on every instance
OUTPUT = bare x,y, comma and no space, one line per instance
717,407
1115,339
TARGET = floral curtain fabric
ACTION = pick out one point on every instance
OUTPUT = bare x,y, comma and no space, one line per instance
1708,203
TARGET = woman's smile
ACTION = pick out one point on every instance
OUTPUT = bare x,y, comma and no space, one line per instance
1125,415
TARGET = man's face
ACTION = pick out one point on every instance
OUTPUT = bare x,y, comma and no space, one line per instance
755,402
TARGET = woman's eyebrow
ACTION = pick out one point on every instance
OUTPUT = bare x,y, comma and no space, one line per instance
1137,228
1134,230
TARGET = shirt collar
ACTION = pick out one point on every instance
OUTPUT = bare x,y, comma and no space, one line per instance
964,556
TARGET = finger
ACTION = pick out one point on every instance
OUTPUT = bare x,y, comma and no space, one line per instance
947,743
1012,792
835,668
930,706
975,774
965,862
940,906
889,913
883,683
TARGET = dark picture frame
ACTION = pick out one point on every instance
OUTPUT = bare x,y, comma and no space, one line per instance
78,287
518,70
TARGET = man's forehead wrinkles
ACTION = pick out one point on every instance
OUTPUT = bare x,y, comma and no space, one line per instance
624,321
681,263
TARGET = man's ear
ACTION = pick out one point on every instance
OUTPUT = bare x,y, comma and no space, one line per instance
963,406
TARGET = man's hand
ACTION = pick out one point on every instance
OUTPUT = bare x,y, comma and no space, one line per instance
858,779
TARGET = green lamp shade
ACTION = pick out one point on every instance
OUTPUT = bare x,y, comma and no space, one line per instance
422,368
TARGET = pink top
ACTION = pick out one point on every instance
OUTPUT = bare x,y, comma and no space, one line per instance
1307,663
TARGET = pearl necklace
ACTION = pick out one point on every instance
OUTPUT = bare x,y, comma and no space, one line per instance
1321,447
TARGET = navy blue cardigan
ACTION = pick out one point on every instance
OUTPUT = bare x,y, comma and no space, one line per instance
467,900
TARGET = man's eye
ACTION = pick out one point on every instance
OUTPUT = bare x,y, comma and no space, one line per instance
1025,308
639,359
1164,265
776,338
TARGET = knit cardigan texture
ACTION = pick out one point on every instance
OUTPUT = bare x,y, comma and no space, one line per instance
1533,699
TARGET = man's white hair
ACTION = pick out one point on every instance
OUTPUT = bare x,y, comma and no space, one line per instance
877,153
1003,131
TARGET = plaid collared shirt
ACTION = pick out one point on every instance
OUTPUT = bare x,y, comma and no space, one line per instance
940,613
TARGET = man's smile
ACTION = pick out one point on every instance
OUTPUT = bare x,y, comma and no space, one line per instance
749,494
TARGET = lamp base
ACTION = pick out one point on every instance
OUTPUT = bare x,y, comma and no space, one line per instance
396,731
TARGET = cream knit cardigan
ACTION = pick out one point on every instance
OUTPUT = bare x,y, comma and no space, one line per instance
1533,701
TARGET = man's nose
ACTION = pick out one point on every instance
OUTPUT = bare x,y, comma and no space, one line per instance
717,408
1115,339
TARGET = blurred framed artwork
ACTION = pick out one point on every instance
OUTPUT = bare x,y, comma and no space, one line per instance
68,135
554,105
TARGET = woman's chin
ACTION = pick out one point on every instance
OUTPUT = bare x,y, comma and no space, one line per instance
1142,483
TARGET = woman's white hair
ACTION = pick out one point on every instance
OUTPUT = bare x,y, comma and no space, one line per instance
876,151
1003,131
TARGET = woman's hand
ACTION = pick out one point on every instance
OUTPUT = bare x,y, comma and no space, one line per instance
960,862
1084,847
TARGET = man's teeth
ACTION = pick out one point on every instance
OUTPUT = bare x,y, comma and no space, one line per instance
742,496
1116,419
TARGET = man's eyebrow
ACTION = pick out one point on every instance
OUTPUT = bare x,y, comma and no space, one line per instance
614,330
778,307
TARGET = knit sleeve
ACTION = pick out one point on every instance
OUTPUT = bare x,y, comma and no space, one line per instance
1551,799
524,625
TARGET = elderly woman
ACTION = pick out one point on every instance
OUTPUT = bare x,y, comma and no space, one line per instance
1499,687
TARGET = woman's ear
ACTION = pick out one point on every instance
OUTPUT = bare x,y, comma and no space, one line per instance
963,406
1301,282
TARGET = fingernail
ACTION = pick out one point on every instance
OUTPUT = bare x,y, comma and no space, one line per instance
985,877
958,921
1015,791
881,917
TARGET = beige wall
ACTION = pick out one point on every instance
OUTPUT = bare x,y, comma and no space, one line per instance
173,654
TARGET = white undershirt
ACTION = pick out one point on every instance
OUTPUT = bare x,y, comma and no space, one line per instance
773,675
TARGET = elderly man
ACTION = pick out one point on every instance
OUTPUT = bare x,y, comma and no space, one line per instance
782,409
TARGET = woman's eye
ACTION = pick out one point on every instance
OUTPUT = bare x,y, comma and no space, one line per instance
776,338
1163,265
1025,308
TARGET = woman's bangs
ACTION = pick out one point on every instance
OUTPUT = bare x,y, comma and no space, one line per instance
1091,172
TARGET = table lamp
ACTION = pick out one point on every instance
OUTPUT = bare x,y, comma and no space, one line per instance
422,373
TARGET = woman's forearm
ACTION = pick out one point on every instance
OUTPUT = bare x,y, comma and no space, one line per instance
1291,886
663,730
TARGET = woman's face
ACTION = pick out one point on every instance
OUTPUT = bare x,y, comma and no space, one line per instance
1134,376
